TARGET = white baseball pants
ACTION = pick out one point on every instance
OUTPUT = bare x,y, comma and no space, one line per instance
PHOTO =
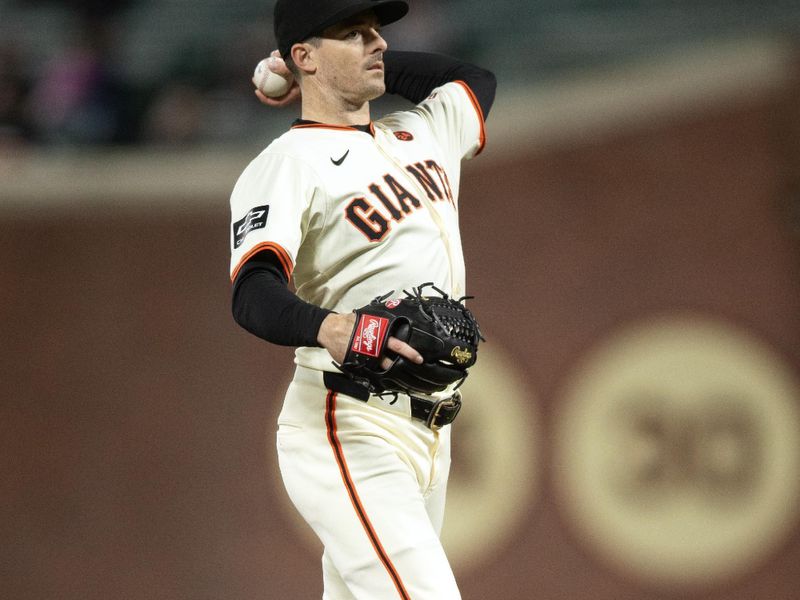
371,483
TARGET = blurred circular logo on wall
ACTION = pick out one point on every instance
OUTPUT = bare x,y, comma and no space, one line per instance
494,477
677,451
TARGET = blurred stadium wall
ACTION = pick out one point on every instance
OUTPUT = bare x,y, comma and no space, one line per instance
631,432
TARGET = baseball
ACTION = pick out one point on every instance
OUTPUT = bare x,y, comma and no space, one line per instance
271,84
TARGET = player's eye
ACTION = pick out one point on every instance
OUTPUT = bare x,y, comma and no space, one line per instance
351,35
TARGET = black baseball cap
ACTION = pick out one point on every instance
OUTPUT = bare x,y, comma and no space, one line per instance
298,20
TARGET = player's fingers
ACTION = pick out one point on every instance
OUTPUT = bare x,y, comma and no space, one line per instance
265,99
403,349
281,101
276,65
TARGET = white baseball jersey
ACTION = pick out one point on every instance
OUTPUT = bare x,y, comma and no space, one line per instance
353,215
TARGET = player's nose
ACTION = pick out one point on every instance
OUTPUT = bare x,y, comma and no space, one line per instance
377,41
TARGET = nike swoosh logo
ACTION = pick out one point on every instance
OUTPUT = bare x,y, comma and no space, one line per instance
341,160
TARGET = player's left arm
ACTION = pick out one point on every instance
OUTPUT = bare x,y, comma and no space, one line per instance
264,305
414,75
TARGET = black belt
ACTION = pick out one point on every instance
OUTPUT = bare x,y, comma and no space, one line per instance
434,413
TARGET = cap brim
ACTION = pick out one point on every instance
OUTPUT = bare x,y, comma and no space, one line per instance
387,11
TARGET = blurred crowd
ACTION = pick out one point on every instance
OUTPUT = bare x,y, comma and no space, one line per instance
75,96
83,93
177,72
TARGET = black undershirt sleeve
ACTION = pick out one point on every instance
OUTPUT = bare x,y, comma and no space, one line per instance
414,75
264,305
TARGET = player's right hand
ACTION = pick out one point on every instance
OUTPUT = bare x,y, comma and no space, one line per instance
279,67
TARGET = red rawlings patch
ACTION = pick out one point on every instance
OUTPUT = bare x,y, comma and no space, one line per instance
403,136
368,338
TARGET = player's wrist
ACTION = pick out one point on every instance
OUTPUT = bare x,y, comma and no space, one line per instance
335,332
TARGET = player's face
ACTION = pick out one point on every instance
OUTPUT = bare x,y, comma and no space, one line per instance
350,59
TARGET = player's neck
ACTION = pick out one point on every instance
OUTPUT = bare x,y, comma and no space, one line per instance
334,111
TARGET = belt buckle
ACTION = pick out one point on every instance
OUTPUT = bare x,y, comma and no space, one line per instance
453,401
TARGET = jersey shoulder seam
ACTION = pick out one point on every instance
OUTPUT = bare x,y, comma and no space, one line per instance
319,182
278,153
466,107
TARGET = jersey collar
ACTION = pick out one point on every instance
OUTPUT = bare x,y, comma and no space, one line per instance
306,124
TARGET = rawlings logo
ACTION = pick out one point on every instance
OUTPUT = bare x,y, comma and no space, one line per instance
392,304
461,356
369,335
403,136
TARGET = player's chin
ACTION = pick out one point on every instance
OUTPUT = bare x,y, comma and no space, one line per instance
376,89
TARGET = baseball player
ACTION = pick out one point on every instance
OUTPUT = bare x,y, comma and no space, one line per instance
350,209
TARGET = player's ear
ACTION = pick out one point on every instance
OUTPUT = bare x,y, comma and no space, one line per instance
303,56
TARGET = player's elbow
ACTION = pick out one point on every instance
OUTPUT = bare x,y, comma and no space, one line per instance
483,84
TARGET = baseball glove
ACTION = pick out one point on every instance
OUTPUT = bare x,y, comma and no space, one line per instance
440,328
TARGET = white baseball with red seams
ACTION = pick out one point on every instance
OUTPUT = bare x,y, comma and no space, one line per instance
351,215
271,84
